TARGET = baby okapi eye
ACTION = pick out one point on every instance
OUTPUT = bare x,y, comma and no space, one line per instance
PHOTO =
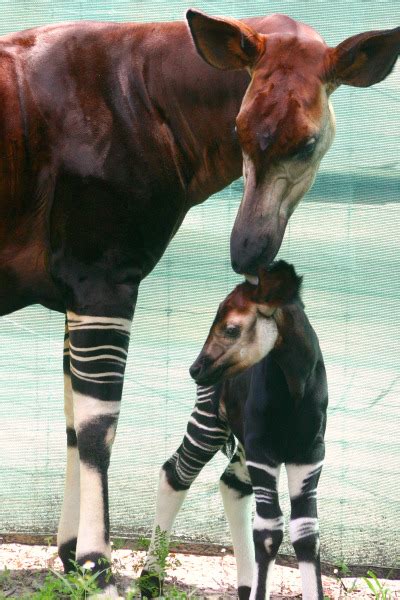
232,331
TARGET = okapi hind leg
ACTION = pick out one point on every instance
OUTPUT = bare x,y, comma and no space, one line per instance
237,496
69,520
268,523
98,353
205,435
304,529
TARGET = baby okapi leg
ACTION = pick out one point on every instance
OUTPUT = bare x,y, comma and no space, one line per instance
205,434
237,496
304,530
267,526
98,352
69,521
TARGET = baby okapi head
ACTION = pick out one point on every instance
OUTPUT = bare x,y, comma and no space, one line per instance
245,329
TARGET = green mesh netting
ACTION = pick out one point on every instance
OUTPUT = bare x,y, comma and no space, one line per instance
343,238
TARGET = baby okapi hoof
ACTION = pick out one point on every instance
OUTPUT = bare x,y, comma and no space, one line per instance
244,592
67,554
150,584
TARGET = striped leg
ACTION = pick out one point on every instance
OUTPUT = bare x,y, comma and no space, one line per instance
98,352
69,521
267,526
304,530
205,434
237,495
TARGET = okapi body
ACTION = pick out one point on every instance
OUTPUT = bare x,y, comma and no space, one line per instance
109,133
261,376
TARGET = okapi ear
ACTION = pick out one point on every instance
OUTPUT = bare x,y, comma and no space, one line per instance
224,43
278,285
364,59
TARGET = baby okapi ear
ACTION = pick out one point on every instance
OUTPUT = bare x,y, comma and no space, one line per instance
278,285
224,43
364,59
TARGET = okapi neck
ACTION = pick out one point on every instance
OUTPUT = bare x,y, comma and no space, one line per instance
297,348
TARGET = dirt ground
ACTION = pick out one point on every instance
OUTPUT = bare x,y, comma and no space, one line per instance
23,568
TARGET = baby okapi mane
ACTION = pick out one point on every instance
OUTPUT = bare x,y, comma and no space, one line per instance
278,285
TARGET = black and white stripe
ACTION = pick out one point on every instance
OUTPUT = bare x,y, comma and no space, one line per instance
98,350
207,432
95,353
304,527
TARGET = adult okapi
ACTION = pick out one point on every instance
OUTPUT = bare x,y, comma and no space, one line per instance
109,134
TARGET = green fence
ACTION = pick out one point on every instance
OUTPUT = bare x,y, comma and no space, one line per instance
343,238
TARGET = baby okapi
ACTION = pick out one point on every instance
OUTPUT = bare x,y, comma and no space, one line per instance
260,376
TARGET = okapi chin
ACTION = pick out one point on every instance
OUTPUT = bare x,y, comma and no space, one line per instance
108,136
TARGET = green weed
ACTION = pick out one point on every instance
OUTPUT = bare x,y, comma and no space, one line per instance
78,585
380,591
340,571
5,578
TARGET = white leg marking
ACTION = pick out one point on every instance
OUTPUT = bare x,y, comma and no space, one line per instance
263,467
308,581
254,583
269,524
68,402
269,579
169,502
297,474
69,520
302,527
238,513
87,408
91,525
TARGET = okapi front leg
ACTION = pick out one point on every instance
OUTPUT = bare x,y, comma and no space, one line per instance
304,529
237,496
206,433
98,352
267,526
69,520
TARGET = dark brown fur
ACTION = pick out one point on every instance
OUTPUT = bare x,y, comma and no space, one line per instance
110,132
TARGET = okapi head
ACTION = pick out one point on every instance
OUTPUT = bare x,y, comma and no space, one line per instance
286,122
245,329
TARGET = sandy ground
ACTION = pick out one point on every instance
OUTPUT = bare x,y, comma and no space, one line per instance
23,568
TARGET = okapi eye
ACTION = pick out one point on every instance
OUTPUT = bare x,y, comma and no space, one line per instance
232,331
307,149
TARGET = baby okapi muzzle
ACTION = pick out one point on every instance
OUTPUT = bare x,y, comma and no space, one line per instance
246,327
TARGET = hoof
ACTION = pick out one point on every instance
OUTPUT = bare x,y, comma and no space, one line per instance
244,592
151,586
67,554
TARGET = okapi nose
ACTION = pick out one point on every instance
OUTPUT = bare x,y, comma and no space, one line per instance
195,370
201,363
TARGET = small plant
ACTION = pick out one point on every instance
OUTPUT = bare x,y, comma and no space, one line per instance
48,541
158,561
5,577
380,591
340,571
77,585
117,543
